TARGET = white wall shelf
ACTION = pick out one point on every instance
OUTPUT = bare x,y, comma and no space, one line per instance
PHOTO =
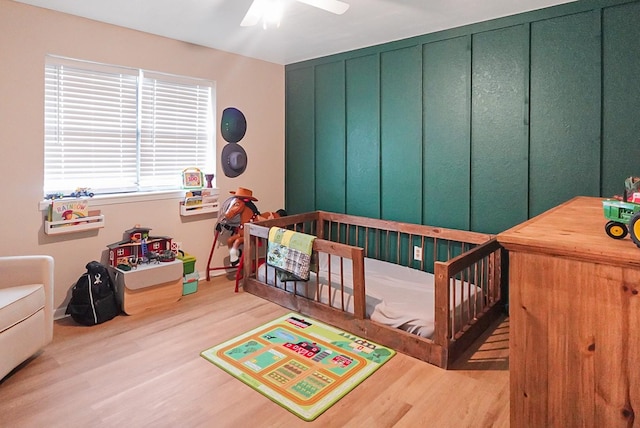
204,208
74,225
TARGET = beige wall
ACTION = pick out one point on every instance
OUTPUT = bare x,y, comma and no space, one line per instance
28,34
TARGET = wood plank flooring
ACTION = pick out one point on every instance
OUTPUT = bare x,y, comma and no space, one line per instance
146,370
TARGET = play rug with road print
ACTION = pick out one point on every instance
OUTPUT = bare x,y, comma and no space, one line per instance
302,364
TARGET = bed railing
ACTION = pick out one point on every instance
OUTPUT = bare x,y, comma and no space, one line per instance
257,235
477,271
463,264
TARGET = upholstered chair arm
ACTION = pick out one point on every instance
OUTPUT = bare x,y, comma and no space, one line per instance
23,270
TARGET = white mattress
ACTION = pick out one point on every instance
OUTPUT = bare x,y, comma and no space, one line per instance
397,296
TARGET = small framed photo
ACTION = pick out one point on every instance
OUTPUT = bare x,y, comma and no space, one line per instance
192,178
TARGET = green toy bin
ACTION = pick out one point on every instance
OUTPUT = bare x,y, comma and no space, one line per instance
190,283
188,262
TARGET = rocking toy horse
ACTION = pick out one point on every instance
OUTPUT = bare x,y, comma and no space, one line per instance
235,212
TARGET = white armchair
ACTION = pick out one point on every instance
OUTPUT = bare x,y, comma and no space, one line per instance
26,308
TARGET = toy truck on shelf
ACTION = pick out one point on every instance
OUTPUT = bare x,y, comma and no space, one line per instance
624,217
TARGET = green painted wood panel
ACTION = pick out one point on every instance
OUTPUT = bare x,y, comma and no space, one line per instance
363,136
401,135
565,110
300,144
621,97
573,89
447,94
500,133
330,137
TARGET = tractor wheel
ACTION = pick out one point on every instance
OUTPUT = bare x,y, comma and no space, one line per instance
616,230
634,228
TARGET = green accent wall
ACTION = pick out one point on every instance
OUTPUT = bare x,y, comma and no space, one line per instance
499,126
330,145
400,130
446,75
565,110
363,136
478,127
620,96
300,141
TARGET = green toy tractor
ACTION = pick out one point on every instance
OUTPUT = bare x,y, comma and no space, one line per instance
624,215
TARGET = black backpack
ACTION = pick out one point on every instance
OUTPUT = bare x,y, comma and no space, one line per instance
93,297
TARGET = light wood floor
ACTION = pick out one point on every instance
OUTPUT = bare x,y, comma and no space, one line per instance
145,370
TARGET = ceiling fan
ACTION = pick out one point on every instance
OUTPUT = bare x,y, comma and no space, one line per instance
262,9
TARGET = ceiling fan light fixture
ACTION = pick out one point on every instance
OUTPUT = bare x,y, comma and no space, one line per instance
272,11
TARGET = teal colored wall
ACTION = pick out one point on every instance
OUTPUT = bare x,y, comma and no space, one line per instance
478,127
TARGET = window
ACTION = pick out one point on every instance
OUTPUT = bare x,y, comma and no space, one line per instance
116,130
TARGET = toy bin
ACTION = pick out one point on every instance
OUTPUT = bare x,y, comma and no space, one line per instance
188,261
190,283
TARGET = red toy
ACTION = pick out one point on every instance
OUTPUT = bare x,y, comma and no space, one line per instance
137,246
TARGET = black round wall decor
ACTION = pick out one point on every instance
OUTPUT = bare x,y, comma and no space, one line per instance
233,125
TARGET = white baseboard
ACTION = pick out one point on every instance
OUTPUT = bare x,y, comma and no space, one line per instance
59,313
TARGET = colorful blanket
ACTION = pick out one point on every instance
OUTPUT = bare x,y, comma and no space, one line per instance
290,253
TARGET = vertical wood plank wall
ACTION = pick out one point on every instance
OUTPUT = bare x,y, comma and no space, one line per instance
400,118
300,157
363,137
447,77
478,128
620,94
565,98
330,136
499,127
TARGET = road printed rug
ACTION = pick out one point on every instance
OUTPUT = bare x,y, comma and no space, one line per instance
300,363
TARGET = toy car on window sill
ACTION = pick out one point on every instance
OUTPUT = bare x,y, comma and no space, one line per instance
82,191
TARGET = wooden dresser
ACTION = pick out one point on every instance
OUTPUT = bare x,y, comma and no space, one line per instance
574,306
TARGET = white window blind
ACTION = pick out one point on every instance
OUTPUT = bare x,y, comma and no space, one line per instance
175,129
121,130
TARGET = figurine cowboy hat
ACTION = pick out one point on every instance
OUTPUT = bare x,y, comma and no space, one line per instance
243,193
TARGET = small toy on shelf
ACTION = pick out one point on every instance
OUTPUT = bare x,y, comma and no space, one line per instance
623,212
209,178
56,195
631,190
167,256
82,191
192,178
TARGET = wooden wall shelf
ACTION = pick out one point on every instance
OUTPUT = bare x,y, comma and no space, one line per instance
74,225
205,208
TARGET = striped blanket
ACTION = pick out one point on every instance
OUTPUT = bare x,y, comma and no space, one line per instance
290,253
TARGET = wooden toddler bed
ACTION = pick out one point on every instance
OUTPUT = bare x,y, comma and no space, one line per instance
459,273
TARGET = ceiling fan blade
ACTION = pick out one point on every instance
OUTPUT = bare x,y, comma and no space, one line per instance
334,6
253,14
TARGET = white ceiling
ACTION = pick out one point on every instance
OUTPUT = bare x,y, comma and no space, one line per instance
305,31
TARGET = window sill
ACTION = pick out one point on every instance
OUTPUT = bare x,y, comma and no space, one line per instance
128,198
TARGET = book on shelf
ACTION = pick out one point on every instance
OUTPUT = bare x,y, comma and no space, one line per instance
69,209
193,202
